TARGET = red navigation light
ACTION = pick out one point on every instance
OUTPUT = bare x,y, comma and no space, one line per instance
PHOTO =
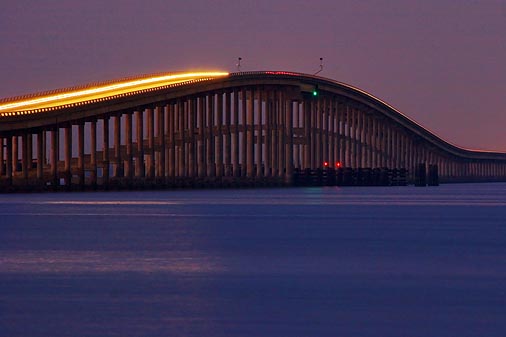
326,164
338,164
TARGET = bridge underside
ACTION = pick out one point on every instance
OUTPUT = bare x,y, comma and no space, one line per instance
255,130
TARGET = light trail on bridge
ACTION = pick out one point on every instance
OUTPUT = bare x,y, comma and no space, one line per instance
73,96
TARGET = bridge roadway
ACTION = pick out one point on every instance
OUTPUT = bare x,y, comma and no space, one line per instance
215,128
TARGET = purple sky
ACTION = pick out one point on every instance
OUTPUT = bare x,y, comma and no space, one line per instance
441,62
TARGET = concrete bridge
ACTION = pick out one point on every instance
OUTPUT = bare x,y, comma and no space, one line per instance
187,129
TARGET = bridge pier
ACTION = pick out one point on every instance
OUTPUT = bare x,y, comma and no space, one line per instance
259,135
192,153
128,148
8,156
117,171
139,162
24,157
166,140
289,143
40,156
105,153
67,154
93,153
151,143
248,127
235,136
2,147
160,110
267,134
14,154
80,154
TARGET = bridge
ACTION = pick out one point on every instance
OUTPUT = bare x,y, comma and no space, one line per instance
214,129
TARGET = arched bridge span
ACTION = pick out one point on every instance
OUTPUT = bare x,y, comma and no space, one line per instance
215,128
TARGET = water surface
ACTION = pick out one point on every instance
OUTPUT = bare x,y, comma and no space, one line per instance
398,261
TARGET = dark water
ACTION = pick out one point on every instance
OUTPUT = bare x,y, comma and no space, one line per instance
270,262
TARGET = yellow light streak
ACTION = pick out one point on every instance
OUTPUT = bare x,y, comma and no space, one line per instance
76,96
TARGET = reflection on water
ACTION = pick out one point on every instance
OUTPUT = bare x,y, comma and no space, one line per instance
106,262
266,262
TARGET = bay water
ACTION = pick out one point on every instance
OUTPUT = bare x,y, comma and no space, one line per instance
320,261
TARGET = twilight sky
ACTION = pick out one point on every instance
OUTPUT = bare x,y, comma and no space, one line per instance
441,62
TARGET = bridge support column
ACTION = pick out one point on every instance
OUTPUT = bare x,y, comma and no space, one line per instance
296,126
258,150
324,129
363,140
398,145
370,141
268,135
151,143
375,143
335,123
348,139
342,132
2,172
289,142
192,154
54,156
331,133
29,151
201,158
388,142
15,154
306,149
244,128
24,156
411,159
281,134
404,145
161,142
385,148
392,146
249,125
105,153
166,139
139,162
364,145
211,167
93,153
318,134
355,156
80,155
228,135
358,136
172,142
118,172
274,118
8,159
219,135
40,156
379,143
128,147
367,139
351,137
399,151
179,121
67,150
235,136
